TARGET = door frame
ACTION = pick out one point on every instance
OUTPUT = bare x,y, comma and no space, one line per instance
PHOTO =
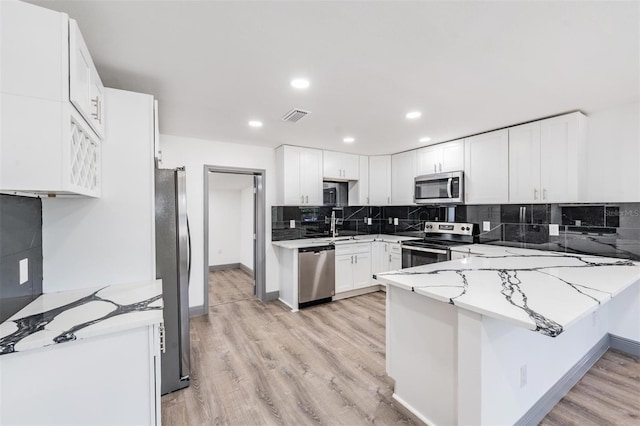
259,242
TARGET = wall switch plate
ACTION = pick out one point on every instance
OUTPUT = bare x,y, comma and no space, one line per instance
578,223
292,223
390,221
368,221
395,221
554,230
24,271
486,226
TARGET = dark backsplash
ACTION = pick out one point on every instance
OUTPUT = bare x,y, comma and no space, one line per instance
20,238
599,229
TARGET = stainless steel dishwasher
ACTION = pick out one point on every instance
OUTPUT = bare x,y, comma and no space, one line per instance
316,275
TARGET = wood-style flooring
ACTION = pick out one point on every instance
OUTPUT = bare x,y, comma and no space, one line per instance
257,363
609,394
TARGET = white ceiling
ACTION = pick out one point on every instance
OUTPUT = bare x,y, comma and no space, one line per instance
468,66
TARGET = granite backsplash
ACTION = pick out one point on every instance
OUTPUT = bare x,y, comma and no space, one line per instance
600,229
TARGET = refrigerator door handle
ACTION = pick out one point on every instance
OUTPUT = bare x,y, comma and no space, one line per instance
188,253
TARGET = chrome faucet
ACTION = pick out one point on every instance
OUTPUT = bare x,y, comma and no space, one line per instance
334,232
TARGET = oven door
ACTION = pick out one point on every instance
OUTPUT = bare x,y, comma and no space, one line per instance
417,256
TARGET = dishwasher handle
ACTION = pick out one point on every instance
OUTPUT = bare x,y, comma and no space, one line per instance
316,249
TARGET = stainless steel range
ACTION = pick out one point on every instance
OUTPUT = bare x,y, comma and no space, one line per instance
438,238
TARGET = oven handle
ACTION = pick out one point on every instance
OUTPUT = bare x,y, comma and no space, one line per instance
449,187
425,250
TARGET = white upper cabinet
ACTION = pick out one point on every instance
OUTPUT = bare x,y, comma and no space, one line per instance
380,180
524,163
300,176
563,157
487,168
546,160
86,91
340,166
47,147
440,158
359,190
403,178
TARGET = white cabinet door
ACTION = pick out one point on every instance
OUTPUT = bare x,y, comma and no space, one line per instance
350,166
395,262
344,273
311,176
403,178
380,180
427,160
452,156
86,91
560,141
299,176
524,163
362,270
331,165
359,189
487,168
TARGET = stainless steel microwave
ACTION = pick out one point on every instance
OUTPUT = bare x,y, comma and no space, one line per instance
440,188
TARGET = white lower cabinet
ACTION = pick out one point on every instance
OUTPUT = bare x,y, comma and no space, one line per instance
113,379
353,266
386,257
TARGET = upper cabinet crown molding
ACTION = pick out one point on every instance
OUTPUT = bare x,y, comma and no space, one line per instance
47,147
340,166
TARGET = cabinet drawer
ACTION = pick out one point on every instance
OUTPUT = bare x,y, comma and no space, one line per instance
395,248
361,247
343,249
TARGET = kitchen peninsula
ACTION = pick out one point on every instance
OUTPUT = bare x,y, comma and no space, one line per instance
494,338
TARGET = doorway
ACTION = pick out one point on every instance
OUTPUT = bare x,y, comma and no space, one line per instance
234,234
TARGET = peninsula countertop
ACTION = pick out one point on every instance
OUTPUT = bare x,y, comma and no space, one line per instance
539,290
312,242
55,318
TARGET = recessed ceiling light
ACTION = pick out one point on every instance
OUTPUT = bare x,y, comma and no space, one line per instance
255,123
413,114
300,83
348,139
425,140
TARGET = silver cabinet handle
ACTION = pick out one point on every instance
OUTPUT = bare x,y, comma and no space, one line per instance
535,193
389,258
388,200
307,199
440,164
356,256
351,259
385,247
367,200
544,194
302,199
434,168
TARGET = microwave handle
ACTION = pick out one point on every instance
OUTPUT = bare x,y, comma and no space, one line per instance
449,186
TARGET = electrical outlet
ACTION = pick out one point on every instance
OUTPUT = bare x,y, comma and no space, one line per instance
486,226
578,223
24,271
523,376
292,224
368,221
554,230
395,221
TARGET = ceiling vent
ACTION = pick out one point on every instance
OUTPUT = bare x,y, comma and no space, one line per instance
295,115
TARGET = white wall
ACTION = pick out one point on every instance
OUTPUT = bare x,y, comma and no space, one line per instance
194,154
613,153
88,242
224,226
246,228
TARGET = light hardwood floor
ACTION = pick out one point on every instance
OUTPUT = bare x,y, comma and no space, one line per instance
256,363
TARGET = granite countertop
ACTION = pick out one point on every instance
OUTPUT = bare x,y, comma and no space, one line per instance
60,317
539,290
312,242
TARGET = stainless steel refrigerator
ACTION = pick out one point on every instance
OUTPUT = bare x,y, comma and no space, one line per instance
173,266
